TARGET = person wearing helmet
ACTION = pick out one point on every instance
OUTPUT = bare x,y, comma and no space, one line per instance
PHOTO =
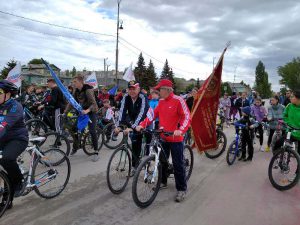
13,138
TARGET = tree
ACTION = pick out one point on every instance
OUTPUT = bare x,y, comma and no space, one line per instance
225,87
140,71
67,73
73,72
262,85
290,74
151,78
167,73
9,66
198,83
36,61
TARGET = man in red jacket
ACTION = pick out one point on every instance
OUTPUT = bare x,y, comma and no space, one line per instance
174,116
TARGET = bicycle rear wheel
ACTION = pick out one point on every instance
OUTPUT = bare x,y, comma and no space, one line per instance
146,184
118,170
5,192
221,146
110,140
189,161
284,169
36,127
87,144
51,173
56,140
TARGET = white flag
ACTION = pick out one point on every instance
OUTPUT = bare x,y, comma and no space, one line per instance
129,75
92,80
14,75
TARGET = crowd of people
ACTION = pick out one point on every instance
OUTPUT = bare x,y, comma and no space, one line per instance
137,110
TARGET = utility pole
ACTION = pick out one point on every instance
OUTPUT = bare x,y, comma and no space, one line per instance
234,74
117,44
104,73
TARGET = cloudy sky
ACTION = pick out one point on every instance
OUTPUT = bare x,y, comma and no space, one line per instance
190,34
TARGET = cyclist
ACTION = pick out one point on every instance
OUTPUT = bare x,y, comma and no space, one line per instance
174,116
13,137
134,107
291,116
225,104
84,95
247,133
275,112
260,114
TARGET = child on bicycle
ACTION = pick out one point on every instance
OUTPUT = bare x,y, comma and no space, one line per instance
106,114
259,112
247,133
291,116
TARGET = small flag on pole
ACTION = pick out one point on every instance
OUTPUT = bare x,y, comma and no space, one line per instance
92,80
113,91
14,75
129,75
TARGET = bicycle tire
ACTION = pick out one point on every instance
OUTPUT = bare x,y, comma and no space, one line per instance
188,161
155,189
271,165
5,189
209,154
108,129
111,186
58,138
47,164
87,141
231,152
36,124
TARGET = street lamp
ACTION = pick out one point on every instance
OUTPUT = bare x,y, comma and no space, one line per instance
117,44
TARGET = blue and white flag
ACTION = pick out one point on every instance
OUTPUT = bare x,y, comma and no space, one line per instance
92,80
83,120
113,91
150,114
14,75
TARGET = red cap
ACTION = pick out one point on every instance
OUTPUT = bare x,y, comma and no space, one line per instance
163,83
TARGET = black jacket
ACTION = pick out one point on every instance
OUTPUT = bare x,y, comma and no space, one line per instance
56,100
131,114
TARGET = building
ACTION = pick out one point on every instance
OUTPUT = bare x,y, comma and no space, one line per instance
239,88
38,74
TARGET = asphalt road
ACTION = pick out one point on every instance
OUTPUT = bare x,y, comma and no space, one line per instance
217,194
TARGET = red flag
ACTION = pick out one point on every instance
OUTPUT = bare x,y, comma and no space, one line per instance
204,113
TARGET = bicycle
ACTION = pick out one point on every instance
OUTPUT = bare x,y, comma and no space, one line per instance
149,171
45,169
284,164
235,147
84,138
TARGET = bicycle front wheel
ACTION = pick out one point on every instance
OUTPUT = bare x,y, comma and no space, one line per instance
36,127
284,169
88,146
5,192
146,182
118,170
110,140
231,153
51,173
221,146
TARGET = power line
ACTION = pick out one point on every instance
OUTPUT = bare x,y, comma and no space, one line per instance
55,25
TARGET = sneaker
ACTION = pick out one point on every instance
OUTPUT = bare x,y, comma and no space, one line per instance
180,196
95,157
73,152
267,149
261,149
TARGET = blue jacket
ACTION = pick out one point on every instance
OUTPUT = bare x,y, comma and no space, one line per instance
12,126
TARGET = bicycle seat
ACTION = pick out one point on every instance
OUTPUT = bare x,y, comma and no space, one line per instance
37,140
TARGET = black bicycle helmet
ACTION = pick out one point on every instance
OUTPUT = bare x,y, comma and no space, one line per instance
8,86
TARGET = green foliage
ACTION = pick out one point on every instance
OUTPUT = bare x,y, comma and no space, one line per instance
189,87
262,85
140,71
225,87
36,61
290,74
283,90
67,73
167,73
198,83
73,72
151,77
8,67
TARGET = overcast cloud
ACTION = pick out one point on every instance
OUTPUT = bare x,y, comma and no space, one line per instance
188,33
